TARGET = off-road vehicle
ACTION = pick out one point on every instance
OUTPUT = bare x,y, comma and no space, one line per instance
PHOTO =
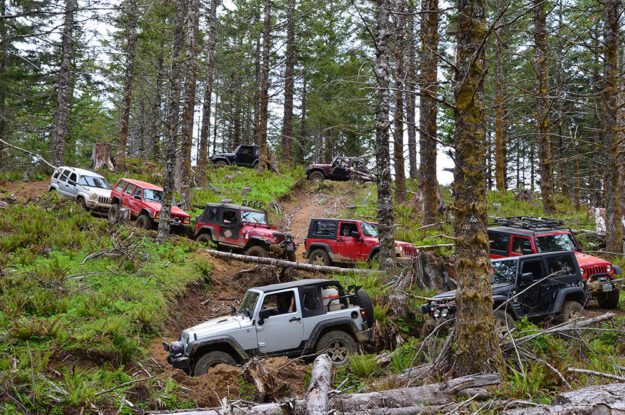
343,241
89,189
246,156
341,169
143,201
517,236
538,286
297,318
244,228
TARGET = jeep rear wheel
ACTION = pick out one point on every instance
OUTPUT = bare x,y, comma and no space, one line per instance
571,310
220,163
113,214
338,345
364,301
608,300
319,257
211,359
256,250
316,176
504,323
145,222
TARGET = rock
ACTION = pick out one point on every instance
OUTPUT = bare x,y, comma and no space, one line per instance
246,190
228,177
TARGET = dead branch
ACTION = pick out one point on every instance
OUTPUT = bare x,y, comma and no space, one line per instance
36,156
594,373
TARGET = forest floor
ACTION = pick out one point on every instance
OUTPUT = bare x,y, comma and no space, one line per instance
23,191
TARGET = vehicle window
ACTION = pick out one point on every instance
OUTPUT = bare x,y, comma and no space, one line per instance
73,177
521,245
245,151
137,192
92,181
560,265
324,228
311,300
249,303
152,195
555,243
129,189
56,174
348,228
230,216
498,241
253,217
369,229
120,186
280,303
504,272
64,175
534,266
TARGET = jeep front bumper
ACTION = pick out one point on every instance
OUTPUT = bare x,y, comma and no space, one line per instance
180,362
364,336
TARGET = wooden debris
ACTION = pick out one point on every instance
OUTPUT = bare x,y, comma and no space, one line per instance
319,388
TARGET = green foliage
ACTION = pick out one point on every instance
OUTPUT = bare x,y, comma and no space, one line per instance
363,365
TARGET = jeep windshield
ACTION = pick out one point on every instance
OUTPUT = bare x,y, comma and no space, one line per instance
152,195
504,272
555,243
368,229
253,217
92,181
249,303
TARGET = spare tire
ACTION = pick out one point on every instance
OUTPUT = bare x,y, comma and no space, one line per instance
364,301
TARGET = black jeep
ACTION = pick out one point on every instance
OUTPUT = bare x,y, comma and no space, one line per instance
538,286
246,156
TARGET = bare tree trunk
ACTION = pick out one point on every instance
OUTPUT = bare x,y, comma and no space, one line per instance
500,92
171,125
543,105
410,97
398,127
289,84
4,50
156,113
614,158
202,162
474,321
385,194
263,118
132,14
193,21
428,109
216,119
257,77
59,132
303,135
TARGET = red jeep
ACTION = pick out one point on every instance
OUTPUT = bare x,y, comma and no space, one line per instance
346,241
243,228
143,201
518,236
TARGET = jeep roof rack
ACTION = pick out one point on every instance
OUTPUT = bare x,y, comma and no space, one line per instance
527,222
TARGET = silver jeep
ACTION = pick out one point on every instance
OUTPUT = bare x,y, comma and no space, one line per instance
89,189
297,318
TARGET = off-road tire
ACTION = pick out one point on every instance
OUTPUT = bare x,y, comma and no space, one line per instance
144,222
211,359
570,310
204,238
608,300
338,345
83,204
375,258
503,323
256,250
113,214
291,257
316,176
319,257
364,301
220,163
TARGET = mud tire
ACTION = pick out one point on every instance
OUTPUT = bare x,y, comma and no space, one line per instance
364,301
316,176
113,214
204,238
608,300
570,309
319,257
83,203
338,345
144,222
256,250
220,163
211,359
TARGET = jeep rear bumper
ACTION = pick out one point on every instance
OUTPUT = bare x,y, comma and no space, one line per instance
364,336
180,362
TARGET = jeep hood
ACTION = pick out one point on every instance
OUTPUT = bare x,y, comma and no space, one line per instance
215,326
263,231
220,155
175,210
99,192
585,260
497,289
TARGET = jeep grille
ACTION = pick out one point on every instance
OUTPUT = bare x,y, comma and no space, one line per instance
596,269
104,200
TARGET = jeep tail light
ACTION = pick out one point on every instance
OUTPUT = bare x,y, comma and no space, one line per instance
363,313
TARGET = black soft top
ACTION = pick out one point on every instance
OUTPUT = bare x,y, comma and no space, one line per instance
233,206
293,284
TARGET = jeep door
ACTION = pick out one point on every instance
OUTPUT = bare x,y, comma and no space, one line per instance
62,182
134,203
283,329
535,295
230,228
245,156
349,243
127,200
70,185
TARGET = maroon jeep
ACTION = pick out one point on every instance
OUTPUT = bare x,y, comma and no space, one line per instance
243,228
347,241
341,169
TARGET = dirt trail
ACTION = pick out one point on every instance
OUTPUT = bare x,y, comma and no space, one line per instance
24,191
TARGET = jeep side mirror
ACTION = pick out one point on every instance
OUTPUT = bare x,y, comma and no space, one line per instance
262,315
526,278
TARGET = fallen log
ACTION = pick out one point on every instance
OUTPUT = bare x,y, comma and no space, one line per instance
324,269
319,388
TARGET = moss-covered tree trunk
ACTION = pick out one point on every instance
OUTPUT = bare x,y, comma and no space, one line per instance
477,347
383,164
614,158
428,109
500,111
543,107
289,83
398,119
263,115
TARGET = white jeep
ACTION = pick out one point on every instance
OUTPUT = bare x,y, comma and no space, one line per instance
292,319
89,189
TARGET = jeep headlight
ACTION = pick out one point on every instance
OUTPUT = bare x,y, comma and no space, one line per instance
609,268
93,196
437,313
444,313
176,348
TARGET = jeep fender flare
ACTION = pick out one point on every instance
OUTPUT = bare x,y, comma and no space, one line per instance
374,251
206,229
226,344
319,245
570,294
147,212
344,324
115,201
508,308
215,160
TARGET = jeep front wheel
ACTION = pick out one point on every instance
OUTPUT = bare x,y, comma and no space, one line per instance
256,250
504,323
608,300
211,359
144,222
316,176
319,257
113,213
220,163
338,345
571,310
83,204
204,238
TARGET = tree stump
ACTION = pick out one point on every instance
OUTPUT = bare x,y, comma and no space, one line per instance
101,156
